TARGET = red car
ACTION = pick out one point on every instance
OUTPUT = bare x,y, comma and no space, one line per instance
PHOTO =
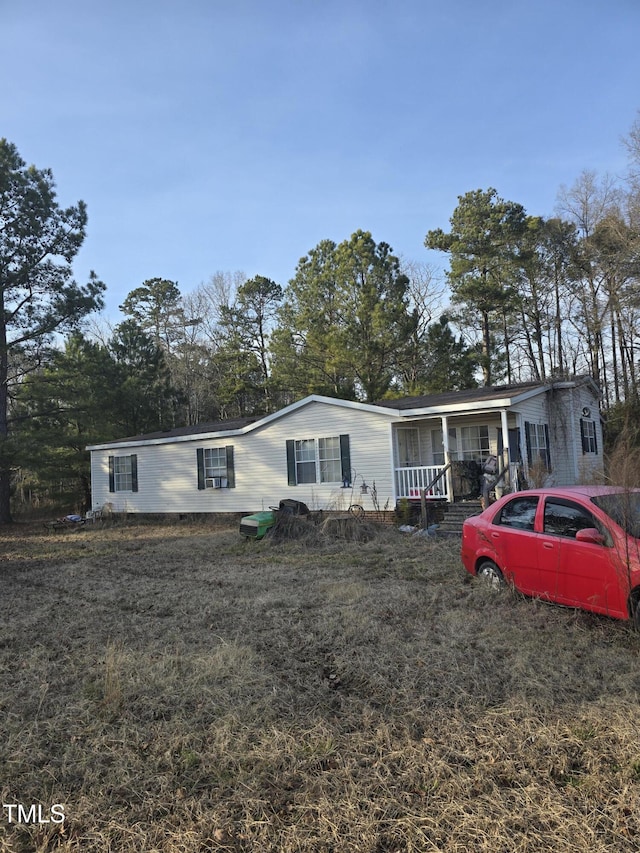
577,545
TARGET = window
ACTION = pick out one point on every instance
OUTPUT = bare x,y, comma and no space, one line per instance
306,461
215,462
322,460
123,473
588,434
408,447
537,437
519,513
563,518
330,460
474,443
437,445
215,467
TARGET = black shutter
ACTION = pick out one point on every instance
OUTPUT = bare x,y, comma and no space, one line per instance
134,472
200,464
595,436
527,435
547,447
112,476
291,463
231,473
583,436
345,459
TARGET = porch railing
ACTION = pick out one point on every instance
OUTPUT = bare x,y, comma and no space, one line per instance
411,481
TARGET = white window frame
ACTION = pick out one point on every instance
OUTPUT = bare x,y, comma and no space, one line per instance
473,443
122,474
320,455
538,443
306,460
590,444
330,459
215,464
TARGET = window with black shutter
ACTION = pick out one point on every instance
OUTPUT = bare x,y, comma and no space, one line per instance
318,460
537,440
215,467
123,473
588,436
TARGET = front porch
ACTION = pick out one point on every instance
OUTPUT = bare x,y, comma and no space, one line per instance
433,480
443,457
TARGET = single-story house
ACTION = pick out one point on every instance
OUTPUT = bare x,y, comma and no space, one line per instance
330,453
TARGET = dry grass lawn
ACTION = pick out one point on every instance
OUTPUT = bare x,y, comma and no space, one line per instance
179,689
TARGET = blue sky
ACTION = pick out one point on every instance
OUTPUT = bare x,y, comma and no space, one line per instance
223,135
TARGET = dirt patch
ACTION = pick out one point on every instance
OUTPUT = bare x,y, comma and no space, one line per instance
179,688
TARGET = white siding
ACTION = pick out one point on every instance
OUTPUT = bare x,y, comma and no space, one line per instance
167,473
589,466
565,442
561,408
535,411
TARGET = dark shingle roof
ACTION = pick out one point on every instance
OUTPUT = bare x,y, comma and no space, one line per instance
471,395
194,429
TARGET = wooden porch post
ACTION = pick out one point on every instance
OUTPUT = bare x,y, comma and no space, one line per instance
447,457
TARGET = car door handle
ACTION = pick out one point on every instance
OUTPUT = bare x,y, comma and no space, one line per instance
549,545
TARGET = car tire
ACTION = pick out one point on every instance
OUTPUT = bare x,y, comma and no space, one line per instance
634,610
491,574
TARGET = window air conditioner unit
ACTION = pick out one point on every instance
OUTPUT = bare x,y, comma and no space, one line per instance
216,483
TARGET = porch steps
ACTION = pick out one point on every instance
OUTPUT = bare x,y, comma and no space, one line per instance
456,513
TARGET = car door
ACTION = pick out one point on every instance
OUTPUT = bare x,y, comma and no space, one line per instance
514,539
577,573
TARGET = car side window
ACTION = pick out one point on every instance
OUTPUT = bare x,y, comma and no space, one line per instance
519,513
563,518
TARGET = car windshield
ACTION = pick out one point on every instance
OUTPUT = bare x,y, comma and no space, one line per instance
623,508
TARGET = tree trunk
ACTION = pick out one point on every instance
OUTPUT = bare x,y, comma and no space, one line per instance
486,348
614,357
558,325
529,345
625,355
507,345
5,471
541,371
5,497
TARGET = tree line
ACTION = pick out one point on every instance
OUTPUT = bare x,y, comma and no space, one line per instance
525,297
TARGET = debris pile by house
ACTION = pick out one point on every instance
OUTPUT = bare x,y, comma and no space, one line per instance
294,520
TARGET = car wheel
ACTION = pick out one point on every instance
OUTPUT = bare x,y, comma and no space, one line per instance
489,572
634,609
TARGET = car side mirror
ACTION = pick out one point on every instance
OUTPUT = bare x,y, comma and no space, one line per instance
590,534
